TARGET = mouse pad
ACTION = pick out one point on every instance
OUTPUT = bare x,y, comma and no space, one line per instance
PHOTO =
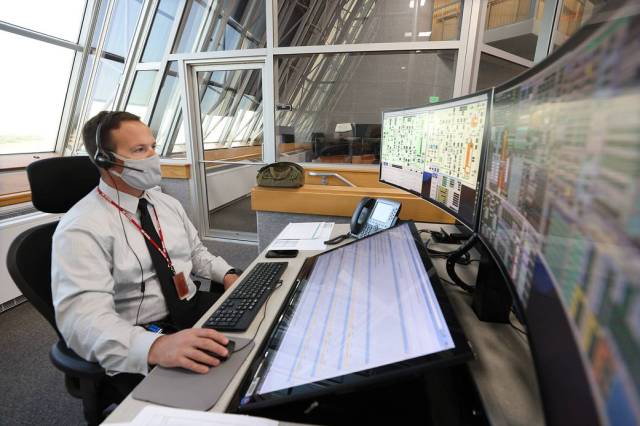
180,388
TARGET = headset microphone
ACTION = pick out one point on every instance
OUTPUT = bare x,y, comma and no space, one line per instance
105,161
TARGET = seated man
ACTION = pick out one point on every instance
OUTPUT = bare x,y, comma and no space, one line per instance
122,259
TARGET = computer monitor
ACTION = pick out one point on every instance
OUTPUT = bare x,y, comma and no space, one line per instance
561,214
367,311
436,152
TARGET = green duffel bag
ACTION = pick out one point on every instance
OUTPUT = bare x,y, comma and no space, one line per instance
281,175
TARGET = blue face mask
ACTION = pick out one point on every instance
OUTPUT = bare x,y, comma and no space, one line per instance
148,176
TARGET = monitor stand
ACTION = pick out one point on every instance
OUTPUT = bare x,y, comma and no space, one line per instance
491,298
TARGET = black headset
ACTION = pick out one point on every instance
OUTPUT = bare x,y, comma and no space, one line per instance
102,157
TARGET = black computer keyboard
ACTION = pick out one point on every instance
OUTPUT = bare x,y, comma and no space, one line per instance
243,304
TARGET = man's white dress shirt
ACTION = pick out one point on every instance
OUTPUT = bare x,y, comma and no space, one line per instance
96,278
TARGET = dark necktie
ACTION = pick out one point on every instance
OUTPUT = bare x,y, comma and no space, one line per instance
179,310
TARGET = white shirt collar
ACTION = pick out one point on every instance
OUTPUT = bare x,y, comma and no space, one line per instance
126,201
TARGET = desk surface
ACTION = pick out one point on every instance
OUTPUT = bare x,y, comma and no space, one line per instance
503,368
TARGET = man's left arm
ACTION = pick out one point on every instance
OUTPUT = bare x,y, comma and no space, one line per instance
204,263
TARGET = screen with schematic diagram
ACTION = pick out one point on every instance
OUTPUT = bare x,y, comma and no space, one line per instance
436,152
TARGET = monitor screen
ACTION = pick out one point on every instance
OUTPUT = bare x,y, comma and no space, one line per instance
436,152
365,305
561,211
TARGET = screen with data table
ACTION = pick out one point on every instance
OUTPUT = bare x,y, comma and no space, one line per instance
365,305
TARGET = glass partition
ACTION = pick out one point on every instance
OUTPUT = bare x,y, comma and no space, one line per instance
514,25
329,106
494,71
231,135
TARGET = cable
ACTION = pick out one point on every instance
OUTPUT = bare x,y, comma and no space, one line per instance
142,286
517,328
464,260
338,239
444,280
454,258
264,315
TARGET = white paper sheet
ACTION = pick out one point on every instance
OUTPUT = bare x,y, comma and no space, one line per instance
303,236
153,415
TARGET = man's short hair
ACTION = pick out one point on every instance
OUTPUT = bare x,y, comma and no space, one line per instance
110,121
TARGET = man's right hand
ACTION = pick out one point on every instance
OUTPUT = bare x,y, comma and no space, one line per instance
186,349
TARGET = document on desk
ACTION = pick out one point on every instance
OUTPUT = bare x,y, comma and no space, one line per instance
303,236
152,415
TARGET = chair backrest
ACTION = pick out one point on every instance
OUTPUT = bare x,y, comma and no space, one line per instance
56,185
29,264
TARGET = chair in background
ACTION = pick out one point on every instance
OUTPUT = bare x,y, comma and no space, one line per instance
56,185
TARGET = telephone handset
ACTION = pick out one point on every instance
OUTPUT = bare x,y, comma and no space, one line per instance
361,214
370,216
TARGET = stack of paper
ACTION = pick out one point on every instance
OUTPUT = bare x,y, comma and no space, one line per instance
303,236
153,415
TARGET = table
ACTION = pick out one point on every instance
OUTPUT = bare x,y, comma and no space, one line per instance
503,369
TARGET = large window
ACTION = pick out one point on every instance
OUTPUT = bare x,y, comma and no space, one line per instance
137,69
103,86
44,16
34,95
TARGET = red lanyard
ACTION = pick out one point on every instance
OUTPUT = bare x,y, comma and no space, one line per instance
163,250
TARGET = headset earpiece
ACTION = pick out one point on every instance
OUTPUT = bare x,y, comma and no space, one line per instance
103,158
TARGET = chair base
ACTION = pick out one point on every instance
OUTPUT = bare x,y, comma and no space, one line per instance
83,380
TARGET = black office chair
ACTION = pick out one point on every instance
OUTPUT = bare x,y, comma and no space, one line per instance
56,185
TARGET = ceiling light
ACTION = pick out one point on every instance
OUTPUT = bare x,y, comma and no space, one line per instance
408,34
412,3
424,33
422,2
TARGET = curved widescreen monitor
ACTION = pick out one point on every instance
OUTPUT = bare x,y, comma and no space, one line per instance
436,152
561,211
370,310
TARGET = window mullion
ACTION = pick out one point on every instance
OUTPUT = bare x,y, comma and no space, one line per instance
94,71
141,33
164,66
75,79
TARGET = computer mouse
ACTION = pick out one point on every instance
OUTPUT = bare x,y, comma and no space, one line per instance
230,347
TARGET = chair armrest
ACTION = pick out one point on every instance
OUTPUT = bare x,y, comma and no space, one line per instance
70,363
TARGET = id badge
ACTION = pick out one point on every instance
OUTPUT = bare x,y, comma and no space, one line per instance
180,283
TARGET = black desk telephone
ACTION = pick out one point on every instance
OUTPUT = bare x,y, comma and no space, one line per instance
370,216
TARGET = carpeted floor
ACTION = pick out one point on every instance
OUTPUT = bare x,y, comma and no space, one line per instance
32,390
235,216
